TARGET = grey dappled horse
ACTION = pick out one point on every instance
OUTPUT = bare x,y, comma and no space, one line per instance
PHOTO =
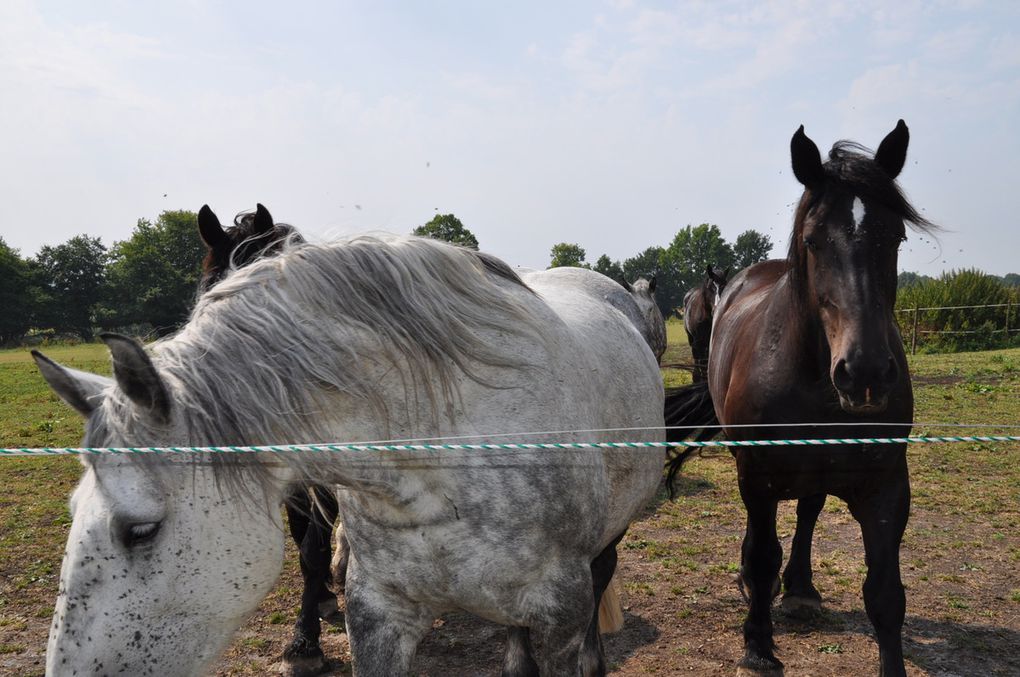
367,338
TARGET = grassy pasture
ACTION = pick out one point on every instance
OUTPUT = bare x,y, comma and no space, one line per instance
960,555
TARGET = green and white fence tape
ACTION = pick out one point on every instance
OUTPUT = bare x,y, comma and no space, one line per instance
294,448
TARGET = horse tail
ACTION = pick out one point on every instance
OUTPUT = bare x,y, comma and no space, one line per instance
689,412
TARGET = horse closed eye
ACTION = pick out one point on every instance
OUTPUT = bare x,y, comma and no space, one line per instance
139,533
810,244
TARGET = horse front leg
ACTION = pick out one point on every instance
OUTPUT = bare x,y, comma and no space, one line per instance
383,626
883,518
519,657
761,557
311,527
799,592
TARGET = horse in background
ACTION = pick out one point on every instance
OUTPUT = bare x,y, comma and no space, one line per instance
427,341
311,511
813,339
651,323
699,304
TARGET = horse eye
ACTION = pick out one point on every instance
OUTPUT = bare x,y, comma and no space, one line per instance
810,244
140,533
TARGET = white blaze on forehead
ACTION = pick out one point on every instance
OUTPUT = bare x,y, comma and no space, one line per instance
857,213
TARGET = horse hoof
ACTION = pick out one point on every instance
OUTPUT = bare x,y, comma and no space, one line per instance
759,667
801,606
750,672
305,666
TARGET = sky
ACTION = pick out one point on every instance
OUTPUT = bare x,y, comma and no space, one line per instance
611,125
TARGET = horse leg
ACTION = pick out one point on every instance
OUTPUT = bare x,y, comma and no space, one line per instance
799,592
318,549
593,660
562,608
518,659
303,656
761,557
883,518
383,626
341,556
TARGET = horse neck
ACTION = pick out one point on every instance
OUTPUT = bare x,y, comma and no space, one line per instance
801,325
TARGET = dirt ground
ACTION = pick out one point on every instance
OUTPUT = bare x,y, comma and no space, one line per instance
683,611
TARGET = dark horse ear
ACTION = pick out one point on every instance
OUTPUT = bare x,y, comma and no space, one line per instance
807,161
211,231
263,220
651,285
137,377
892,152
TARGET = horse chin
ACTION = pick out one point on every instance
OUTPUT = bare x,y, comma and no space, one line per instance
866,408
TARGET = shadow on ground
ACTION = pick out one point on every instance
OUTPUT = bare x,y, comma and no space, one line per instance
942,648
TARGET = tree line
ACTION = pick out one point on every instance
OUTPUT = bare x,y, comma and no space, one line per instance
145,285
678,266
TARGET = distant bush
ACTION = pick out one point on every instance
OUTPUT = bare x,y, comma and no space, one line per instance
957,329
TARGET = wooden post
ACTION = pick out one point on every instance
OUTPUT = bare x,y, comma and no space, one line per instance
913,334
1009,307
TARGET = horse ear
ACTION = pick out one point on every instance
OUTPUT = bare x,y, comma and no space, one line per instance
807,161
726,274
137,377
263,220
708,270
623,283
651,285
80,389
210,229
892,152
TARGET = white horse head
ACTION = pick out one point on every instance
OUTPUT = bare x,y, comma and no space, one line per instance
361,339
145,587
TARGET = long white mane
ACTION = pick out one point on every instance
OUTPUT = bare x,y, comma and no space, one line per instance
265,347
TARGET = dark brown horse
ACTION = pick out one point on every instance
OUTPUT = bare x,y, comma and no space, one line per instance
699,305
253,236
812,338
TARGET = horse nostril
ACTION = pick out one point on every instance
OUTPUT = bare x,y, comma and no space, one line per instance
841,375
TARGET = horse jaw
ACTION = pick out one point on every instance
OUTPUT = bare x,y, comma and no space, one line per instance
170,606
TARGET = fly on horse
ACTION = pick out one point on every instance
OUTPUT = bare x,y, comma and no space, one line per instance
812,338
699,304
312,511
366,338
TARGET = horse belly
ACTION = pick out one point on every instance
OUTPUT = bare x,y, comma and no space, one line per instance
787,474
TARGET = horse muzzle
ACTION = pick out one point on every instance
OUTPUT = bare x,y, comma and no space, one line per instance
864,405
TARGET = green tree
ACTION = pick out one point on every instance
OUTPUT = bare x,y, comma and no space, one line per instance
71,278
447,227
19,297
684,261
608,267
153,275
909,279
751,247
567,254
